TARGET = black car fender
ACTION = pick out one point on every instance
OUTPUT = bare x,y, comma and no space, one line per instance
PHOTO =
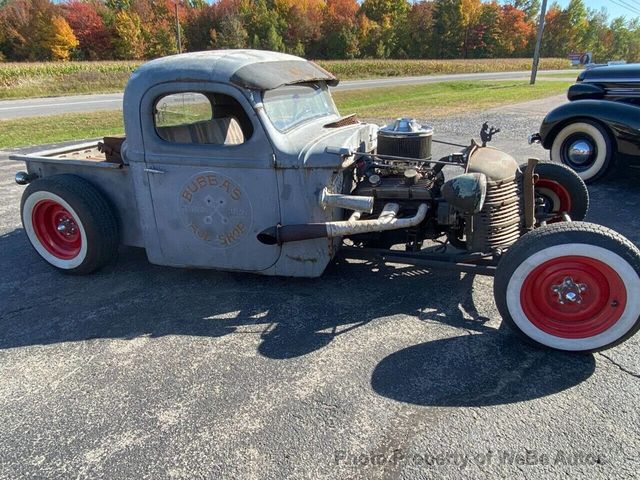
621,119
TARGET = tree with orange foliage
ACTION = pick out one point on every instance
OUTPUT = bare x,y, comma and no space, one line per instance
516,33
62,39
339,30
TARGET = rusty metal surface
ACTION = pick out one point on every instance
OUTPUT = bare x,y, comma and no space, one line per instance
272,74
495,164
499,223
529,194
387,220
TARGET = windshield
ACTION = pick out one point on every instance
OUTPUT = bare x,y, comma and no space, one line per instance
292,105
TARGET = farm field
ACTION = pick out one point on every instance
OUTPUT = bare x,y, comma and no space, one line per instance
27,80
427,101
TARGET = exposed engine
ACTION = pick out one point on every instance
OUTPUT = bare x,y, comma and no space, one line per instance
478,210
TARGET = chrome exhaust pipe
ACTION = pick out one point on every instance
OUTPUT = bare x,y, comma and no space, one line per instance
279,234
358,203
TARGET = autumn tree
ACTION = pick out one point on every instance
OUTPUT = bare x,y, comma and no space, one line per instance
60,39
94,38
15,24
339,37
516,32
469,14
129,43
485,35
199,23
530,8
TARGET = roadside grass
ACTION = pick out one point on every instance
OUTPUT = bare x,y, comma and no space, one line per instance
45,79
442,99
420,101
59,128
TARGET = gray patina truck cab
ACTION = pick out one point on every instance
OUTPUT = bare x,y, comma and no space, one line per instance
209,159
239,160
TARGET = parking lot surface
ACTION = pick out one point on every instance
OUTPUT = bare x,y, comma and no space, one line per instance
371,371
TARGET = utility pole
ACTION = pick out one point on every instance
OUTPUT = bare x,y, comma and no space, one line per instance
536,53
178,29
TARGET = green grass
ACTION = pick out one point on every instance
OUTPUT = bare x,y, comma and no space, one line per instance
45,79
420,101
59,128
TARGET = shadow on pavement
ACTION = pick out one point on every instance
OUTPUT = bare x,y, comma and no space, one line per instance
477,370
292,317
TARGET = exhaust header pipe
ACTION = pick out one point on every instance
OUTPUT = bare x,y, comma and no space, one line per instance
358,203
279,234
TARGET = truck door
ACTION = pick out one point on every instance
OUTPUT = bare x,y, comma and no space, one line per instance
211,177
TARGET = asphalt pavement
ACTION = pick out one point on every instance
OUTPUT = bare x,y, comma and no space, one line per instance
370,371
112,101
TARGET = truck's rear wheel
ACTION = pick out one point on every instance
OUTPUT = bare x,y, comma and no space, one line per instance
69,223
571,286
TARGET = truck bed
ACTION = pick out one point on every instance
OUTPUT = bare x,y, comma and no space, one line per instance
86,153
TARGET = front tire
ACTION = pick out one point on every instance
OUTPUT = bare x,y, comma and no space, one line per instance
586,148
69,223
562,190
570,286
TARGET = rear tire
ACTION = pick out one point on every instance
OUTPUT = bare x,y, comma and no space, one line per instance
562,190
570,286
69,223
573,138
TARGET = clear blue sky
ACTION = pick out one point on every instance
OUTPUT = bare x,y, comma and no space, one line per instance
616,9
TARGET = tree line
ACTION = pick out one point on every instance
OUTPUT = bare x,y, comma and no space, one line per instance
33,30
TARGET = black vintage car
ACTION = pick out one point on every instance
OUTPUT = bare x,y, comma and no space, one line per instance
600,125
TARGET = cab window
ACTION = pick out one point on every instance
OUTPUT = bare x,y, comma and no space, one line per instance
201,118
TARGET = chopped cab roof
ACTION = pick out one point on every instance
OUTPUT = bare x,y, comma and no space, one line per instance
254,69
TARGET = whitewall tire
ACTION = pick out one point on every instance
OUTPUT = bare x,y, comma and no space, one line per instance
571,286
69,223
585,147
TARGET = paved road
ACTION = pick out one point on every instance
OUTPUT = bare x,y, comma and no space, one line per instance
371,371
112,101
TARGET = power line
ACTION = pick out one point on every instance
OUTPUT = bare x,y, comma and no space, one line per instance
630,5
632,9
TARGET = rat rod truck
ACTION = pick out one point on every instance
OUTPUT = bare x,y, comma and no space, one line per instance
239,160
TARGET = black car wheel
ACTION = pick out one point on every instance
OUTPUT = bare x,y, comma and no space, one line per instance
586,147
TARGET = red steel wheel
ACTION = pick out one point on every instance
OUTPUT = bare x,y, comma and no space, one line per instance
558,195
570,286
560,190
56,229
69,223
573,297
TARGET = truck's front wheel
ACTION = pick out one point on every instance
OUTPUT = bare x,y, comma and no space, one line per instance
69,223
571,286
